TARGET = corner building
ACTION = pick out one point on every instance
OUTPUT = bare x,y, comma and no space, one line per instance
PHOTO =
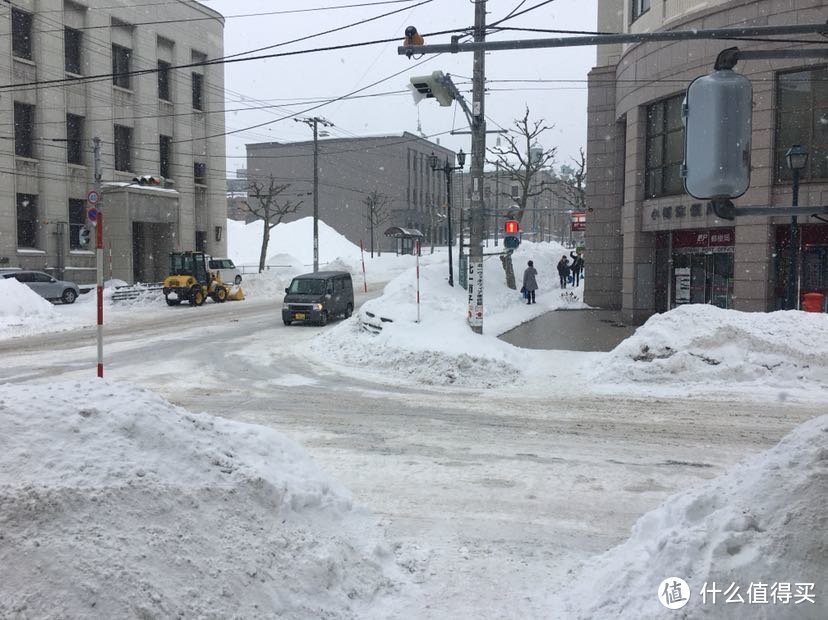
651,246
129,74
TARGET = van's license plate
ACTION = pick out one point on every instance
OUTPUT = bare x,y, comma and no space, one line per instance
299,316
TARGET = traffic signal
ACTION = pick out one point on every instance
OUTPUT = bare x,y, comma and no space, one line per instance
148,180
717,131
511,234
435,86
84,237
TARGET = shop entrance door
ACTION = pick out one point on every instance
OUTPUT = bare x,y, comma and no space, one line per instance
711,278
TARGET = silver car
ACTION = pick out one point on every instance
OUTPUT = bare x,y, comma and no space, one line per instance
45,285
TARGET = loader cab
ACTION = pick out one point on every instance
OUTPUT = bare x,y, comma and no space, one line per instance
189,264
318,297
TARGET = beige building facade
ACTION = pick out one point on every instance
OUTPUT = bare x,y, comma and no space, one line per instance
651,246
130,75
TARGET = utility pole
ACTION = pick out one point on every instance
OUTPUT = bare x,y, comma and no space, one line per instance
314,123
97,171
475,283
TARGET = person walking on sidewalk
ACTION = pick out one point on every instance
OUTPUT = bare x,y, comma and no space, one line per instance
563,270
530,282
577,267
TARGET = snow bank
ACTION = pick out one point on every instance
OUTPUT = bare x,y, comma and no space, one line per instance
701,343
19,303
763,521
131,507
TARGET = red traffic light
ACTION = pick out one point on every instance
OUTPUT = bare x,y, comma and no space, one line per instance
511,227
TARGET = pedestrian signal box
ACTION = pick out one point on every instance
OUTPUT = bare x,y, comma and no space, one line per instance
511,234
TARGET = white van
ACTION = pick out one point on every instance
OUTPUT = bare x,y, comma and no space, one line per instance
226,269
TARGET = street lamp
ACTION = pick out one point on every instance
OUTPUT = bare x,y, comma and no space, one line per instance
796,158
448,169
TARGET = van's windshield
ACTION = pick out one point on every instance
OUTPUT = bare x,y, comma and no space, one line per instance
307,287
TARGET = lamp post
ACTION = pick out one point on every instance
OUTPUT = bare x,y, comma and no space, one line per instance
448,169
796,158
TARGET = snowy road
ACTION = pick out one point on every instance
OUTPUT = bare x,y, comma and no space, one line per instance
460,479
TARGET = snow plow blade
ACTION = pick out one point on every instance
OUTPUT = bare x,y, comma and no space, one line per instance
236,294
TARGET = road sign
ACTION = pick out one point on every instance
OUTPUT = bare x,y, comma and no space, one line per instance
93,197
91,214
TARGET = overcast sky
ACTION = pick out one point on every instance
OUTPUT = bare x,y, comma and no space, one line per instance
297,83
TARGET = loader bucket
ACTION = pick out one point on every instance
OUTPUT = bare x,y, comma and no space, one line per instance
236,293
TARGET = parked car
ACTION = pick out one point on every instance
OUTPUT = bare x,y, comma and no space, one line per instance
317,297
227,270
45,285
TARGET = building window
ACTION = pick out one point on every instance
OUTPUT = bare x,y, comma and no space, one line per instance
200,173
77,220
200,241
26,221
21,34
74,139
72,40
123,148
802,118
164,80
164,156
121,58
198,91
665,148
24,119
639,7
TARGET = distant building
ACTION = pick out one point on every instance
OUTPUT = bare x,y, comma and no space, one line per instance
167,122
650,246
395,167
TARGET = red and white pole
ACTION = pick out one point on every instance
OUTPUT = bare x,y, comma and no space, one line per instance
100,270
362,252
417,251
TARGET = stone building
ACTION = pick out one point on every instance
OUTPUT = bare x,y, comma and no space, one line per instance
109,69
650,246
349,169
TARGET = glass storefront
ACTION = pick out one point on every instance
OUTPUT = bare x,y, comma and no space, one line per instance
699,269
812,259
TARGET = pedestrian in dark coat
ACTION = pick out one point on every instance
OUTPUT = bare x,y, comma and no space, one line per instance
577,267
563,270
530,282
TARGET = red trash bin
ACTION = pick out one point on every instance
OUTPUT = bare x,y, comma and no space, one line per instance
812,302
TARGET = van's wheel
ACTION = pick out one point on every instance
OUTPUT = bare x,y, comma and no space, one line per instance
323,318
237,280
196,296
69,296
349,310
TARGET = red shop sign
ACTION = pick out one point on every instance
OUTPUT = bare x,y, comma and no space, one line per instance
704,238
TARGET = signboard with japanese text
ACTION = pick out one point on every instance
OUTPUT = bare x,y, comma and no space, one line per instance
476,294
682,285
578,221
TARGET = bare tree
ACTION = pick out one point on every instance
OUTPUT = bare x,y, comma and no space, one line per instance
572,183
522,161
267,208
378,211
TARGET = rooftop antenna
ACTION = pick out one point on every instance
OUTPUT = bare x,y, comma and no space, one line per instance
419,126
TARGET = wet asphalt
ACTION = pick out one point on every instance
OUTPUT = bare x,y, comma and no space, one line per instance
571,330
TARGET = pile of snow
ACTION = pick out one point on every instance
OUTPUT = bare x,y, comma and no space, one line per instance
117,504
19,303
702,343
432,343
764,521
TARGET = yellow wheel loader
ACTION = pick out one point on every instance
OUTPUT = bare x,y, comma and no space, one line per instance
190,280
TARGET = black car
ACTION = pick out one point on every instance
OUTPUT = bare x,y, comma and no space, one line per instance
317,297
